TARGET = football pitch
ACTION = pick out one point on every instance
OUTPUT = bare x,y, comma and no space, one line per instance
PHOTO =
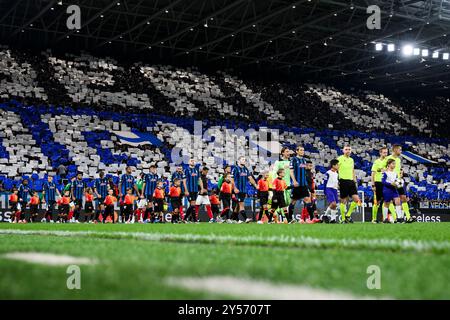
210,261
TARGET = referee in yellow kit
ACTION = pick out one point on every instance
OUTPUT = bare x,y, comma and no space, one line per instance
347,185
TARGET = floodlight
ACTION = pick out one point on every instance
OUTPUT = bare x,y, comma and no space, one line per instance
407,50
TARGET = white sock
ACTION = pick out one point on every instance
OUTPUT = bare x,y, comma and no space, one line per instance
398,210
327,212
333,214
385,212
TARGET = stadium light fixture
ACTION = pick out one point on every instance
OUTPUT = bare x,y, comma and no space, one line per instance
407,50
435,54
378,46
425,53
416,51
445,56
391,47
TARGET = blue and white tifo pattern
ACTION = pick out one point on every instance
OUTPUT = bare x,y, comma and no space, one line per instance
35,140
139,115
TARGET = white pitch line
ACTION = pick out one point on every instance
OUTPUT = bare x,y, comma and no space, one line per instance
271,241
47,258
249,289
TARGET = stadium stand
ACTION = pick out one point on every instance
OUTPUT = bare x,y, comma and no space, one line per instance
79,111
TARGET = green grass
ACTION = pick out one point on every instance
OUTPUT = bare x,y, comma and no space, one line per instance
135,260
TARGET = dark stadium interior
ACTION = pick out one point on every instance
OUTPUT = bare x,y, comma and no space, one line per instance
235,64
291,40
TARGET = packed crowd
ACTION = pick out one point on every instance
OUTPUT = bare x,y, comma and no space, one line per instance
105,84
101,96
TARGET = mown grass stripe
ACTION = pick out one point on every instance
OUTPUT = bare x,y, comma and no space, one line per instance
268,241
246,289
45,258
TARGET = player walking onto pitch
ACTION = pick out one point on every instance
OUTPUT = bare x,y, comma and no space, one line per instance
299,178
203,196
311,207
190,182
49,192
100,191
347,185
284,163
378,167
24,193
241,177
78,189
126,181
396,153
390,192
148,188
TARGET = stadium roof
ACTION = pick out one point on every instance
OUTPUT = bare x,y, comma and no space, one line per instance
326,40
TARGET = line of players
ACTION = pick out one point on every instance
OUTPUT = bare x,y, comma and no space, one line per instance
386,181
388,187
289,182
